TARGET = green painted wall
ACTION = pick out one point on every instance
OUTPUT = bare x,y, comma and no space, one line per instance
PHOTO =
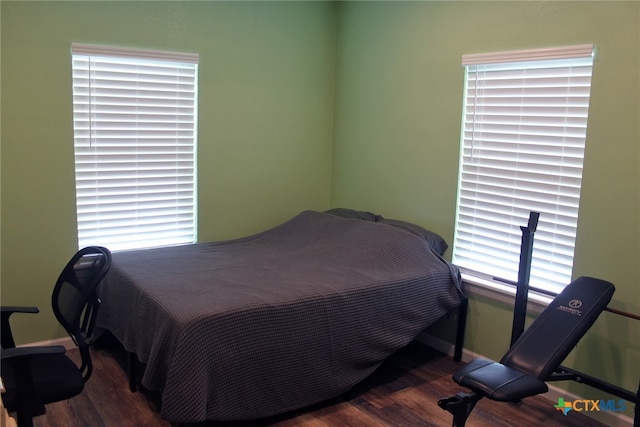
397,131
265,121
273,138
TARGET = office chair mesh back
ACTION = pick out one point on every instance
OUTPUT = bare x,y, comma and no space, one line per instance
75,301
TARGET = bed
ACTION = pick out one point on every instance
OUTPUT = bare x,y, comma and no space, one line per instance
295,315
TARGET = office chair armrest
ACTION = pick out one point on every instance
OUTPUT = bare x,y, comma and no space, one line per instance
10,309
6,312
26,352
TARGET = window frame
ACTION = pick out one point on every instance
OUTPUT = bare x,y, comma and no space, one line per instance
135,126
488,281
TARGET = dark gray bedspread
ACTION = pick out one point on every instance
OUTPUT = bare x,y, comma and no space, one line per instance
295,315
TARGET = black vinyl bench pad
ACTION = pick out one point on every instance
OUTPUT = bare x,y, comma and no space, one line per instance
535,355
497,381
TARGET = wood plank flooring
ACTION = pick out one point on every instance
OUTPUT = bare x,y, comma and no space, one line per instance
403,392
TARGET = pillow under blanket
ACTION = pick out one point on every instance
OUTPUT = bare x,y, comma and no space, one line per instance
435,240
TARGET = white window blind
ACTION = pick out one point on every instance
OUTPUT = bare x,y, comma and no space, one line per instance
522,147
135,132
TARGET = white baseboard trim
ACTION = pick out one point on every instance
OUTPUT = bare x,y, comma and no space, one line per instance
612,419
66,342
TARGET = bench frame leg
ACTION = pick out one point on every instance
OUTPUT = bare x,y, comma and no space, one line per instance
460,406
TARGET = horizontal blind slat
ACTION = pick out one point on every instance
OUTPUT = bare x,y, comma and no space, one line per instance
134,137
522,142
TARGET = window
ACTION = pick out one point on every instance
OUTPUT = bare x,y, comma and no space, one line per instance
522,147
134,123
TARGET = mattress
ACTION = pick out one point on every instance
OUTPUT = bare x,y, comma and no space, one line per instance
252,327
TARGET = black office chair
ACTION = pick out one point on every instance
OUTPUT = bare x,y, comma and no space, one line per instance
35,376
534,357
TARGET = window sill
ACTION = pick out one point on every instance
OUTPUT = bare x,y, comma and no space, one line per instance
502,293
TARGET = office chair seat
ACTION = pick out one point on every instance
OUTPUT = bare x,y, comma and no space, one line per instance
58,379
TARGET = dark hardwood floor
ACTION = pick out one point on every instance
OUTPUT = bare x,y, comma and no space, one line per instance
403,392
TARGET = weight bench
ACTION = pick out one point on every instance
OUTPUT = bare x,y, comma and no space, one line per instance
535,355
